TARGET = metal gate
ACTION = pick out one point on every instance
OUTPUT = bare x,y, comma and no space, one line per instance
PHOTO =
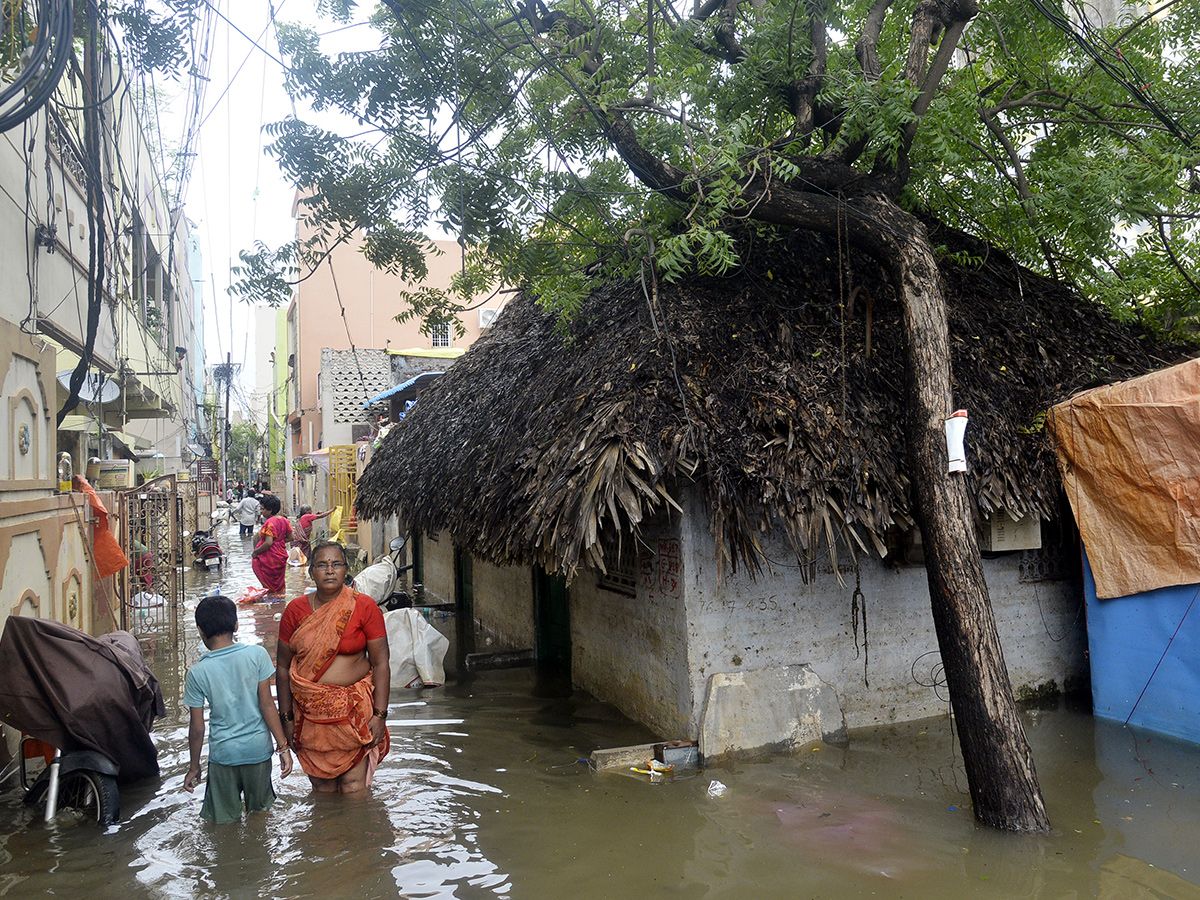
189,518
343,483
151,534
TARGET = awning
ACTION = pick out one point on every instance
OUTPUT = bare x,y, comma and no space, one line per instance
77,423
405,391
431,352
319,458
133,443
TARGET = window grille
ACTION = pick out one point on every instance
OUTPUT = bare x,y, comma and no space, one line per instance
621,562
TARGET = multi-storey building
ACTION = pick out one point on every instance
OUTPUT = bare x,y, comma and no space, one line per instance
95,264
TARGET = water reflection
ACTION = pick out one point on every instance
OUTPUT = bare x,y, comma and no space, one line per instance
486,793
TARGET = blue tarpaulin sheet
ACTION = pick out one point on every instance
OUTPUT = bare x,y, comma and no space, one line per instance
406,390
1145,657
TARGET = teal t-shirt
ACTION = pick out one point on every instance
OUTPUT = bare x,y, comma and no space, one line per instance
228,680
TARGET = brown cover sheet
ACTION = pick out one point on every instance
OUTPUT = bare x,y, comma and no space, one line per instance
1130,457
78,692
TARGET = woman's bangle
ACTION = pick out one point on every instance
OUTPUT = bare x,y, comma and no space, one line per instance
283,749
381,713
287,717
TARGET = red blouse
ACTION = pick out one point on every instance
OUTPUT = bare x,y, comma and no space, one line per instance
366,623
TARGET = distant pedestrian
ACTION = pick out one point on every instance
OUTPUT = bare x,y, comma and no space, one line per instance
247,513
235,681
268,559
304,526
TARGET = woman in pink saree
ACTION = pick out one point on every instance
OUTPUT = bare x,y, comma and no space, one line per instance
268,559
332,678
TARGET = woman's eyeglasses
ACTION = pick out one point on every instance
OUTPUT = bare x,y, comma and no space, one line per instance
329,565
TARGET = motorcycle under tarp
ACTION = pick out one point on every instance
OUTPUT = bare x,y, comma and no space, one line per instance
78,692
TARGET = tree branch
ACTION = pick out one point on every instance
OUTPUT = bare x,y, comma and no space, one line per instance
1162,233
1022,185
866,48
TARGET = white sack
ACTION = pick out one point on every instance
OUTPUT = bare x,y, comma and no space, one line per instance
416,648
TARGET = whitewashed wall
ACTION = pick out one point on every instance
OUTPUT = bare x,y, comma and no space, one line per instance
504,603
633,651
745,624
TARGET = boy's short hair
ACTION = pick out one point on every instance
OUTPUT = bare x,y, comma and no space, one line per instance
216,615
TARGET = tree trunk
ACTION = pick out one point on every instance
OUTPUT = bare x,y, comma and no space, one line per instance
1000,772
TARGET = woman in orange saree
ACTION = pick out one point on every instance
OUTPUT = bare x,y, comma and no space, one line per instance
333,677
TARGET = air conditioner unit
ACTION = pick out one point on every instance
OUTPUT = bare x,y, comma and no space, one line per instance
487,318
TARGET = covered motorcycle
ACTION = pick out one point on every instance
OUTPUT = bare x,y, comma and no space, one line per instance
81,693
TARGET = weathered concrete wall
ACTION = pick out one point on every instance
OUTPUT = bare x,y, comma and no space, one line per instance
439,567
503,597
775,709
884,674
632,651
504,603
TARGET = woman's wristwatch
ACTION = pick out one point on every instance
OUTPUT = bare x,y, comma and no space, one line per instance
287,717
381,713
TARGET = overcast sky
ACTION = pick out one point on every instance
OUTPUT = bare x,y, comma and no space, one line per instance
236,195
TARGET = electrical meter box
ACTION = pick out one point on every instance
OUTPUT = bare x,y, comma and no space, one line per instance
1002,532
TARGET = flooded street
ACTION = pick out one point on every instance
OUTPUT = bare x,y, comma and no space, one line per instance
486,793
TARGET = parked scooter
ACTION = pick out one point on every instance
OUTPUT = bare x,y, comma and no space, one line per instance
380,581
80,780
416,649
206,550
93,731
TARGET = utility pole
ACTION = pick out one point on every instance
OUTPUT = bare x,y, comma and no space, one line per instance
225,430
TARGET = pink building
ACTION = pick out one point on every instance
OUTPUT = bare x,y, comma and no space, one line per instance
350,306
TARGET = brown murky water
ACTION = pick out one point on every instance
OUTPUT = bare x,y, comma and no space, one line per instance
486,794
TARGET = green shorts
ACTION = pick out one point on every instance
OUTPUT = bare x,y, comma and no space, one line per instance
227,785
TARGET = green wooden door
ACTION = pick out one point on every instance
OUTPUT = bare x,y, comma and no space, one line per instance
552,621
464,603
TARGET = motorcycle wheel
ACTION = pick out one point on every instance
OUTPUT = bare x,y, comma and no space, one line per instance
91,795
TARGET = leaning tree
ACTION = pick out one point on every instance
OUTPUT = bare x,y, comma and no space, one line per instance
575,141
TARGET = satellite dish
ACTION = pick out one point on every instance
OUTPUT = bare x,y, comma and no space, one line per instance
95,387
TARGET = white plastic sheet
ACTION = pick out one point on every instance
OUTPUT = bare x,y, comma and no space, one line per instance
417,649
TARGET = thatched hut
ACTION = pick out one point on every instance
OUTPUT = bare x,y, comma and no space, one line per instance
718,469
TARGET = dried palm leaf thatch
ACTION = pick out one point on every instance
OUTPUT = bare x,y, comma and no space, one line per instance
778,388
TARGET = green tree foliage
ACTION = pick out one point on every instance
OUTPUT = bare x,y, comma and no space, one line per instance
244,445
1068,143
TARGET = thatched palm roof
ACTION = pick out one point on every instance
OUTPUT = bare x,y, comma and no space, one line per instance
544,438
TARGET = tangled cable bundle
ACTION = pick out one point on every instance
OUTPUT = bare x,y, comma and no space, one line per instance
42,65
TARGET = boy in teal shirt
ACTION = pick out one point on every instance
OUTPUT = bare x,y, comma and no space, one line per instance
235,680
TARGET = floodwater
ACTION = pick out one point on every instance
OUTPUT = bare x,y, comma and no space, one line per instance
487,794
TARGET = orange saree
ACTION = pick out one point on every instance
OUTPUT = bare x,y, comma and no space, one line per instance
332,722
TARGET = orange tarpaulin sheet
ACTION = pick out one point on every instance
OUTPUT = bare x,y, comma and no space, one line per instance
1130,457
110,558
